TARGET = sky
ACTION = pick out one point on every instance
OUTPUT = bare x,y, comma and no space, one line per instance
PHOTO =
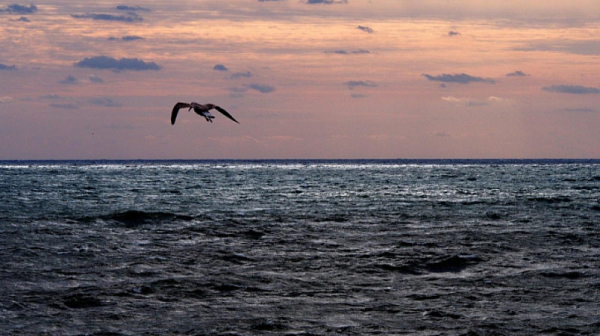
306,79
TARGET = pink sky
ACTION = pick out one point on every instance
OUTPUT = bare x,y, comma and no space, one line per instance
323,80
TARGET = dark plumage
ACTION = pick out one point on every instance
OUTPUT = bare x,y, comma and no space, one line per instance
200,109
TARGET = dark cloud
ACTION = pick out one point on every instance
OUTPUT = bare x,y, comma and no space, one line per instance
262,88
69,80
7,67
96,79
19,9
23,19
326,2
347,52
105,62
352,84
220,67
459,78
106,102
517,73
131,38
574,89
453,33
127,38
237,75
132,8
366,29
132,17
269,0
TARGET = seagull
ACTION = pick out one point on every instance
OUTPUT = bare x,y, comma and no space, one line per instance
200,109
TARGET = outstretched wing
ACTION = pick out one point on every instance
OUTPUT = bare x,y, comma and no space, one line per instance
225,113
176,109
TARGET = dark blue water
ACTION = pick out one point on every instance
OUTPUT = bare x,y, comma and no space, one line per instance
399,247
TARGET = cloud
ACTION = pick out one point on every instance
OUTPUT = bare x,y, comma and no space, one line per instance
127,38
347,52
469,102
261,88
106,102
269,0
105,62
366,29
5,100
453,33
459,78
23,19
573,89
220,67
517,73
582,110
96,79
69,80
133,17
326,2
7,67
352,84
68,106
358,95
585,47
132,8
237,75
19,9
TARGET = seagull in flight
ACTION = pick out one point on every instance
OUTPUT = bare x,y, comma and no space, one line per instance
200,109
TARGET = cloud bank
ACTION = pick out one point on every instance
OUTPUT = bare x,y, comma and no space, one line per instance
19,9
109,17
573,89
459,78
105,62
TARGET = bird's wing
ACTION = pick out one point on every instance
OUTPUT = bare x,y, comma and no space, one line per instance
176,109
225,113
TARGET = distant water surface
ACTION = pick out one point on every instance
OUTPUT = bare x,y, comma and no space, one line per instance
366,247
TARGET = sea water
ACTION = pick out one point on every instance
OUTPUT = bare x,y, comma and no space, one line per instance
398,247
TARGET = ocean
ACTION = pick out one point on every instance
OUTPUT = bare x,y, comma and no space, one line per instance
364,247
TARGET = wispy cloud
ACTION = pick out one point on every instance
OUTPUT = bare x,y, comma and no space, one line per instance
459,78
573,89
132,17
106,102
105,62
347,52
352,84
366,29
19,9
326,2
96,79
237,75
261,88
7,67
127,38
132,8
453,33
517,73
470,102
66,106
70,80
5,100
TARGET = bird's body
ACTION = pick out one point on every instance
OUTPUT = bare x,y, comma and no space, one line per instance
203,110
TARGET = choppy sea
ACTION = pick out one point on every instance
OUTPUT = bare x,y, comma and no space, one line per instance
399,247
